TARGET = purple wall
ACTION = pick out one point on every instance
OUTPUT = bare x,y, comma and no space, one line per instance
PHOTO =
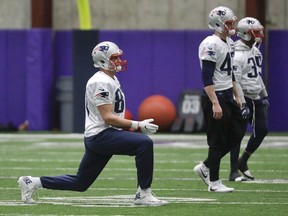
277,77
159,62
13,76
26,77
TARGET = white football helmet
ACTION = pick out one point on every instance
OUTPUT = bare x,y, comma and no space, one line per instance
102,53
219,17
250,28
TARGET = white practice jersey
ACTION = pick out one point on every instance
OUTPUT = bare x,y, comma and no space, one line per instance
101,89
216,50
247,69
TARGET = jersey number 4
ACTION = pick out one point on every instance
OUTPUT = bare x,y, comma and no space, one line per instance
226,65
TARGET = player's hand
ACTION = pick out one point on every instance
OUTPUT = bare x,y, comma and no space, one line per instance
239,102
266,102
145,126
245,111
217,111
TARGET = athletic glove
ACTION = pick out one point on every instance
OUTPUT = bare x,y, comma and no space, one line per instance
145,126
266,102
245,111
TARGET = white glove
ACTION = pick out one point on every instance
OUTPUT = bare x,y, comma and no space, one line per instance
145,126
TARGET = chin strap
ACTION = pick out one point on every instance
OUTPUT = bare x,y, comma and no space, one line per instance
232,32
257,43
255,46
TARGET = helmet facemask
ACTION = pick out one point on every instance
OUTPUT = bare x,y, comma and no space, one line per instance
256,34
231,26
116,63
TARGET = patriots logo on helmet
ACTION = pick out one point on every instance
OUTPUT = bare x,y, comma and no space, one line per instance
220,13
250,22
102,49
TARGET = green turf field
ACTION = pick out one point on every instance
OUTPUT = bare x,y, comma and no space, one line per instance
113,192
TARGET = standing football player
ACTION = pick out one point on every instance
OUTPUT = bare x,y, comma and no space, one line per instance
103,136
248,62
222,113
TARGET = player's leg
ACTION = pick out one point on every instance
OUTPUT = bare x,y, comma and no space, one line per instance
132,144
261,127
260,122
89,169
234,156
93,162
217,140
140,146
237,128
215,130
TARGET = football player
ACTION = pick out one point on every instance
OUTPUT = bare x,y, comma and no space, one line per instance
103,136
221,103
248,62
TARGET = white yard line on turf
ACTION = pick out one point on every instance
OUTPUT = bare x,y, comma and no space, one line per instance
161,140
123,201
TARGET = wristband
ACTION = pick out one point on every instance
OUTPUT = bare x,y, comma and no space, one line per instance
135,125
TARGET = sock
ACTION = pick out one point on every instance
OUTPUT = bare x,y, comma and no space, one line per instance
37,182
245,156
214,156
206,163
234,156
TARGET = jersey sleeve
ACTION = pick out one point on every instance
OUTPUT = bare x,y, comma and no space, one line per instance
102,93
208,51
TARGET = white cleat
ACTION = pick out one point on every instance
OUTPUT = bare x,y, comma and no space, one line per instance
235,176
28,186
248,174
243,167
240,179
147,198
203,172
217,186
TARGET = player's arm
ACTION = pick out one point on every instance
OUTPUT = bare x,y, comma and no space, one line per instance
208,68
237,91
264,94
106,112
239,95
237,76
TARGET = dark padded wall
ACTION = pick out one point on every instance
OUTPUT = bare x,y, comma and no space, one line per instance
83,44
